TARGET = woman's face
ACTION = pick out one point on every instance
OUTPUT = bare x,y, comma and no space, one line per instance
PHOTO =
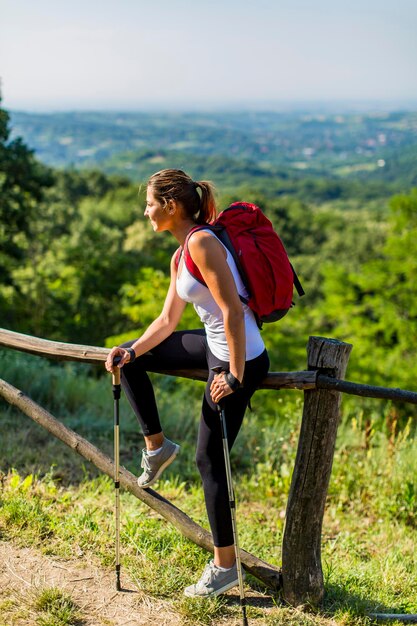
158,216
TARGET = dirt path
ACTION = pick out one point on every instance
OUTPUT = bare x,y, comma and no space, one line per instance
24,572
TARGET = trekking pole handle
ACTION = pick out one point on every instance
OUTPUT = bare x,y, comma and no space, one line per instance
116,371
233,382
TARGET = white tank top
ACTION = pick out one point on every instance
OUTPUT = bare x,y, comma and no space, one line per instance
191,290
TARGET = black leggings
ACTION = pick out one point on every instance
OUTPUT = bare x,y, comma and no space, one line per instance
189,350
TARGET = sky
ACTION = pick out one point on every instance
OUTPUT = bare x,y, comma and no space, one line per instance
187,54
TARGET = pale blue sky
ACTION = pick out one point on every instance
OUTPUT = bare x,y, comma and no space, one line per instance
128,54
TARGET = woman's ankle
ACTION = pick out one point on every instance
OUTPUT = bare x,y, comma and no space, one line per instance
225,557
154,442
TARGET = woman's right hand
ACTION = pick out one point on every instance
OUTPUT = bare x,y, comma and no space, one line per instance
116,351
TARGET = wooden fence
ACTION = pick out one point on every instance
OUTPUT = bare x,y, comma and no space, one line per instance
301,578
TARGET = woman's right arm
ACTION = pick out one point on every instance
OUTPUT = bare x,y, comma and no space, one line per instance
161,328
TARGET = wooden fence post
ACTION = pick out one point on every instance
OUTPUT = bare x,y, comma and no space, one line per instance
301,552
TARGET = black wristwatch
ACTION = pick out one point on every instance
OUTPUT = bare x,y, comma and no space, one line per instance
132,354
233,382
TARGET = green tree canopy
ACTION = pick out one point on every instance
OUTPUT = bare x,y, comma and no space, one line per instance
23,181
375,306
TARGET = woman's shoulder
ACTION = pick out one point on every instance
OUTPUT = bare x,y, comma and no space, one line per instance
204,241
202,236
206,250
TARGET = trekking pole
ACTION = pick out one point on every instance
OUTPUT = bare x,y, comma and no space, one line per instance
232,505
116,396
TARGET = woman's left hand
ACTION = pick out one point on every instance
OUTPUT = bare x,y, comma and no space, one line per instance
219,388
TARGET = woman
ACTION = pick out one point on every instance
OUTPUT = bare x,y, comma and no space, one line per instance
230,340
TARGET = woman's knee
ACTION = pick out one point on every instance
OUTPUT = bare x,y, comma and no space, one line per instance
208,466
202,462
132,373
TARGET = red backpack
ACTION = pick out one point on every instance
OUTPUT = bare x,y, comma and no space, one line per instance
260,257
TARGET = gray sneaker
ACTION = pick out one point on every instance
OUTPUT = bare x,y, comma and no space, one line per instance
213,582
153,466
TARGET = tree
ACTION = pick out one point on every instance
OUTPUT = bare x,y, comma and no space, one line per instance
375,306
23,181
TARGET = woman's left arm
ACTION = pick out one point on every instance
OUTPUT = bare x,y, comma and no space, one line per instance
210,257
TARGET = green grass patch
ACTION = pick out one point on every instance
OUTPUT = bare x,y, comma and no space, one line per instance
55,608
46,606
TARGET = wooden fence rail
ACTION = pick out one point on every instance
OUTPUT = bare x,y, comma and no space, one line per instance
308,379
92,354
322,384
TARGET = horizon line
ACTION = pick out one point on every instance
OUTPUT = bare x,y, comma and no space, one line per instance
389,104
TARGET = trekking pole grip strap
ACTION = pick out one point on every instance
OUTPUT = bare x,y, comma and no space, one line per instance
132,354
233,382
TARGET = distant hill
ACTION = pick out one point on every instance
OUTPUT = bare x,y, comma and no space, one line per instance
380,147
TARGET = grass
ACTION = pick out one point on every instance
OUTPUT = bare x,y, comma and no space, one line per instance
53,501
55,608
368,548
47,606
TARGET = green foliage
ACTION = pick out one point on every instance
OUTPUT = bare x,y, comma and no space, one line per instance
373,305
68,280
23,181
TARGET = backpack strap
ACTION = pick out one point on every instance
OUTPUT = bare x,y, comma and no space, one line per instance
189,263
297,283
221,234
